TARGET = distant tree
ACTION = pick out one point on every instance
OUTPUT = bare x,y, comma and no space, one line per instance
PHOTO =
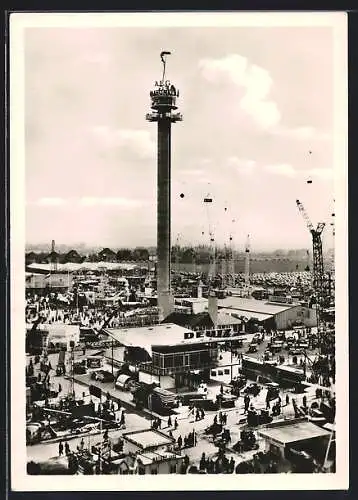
140,253
188,255
124,254
93,257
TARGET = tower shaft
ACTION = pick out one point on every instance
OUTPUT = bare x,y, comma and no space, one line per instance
164,207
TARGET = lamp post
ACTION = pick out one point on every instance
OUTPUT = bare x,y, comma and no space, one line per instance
150,408
112,358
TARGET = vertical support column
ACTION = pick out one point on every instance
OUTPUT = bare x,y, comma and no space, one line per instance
164,217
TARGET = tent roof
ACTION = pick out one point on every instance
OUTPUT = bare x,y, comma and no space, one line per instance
252,305
146,336
246,314
293,432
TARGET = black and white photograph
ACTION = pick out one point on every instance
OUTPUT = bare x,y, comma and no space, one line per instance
178,251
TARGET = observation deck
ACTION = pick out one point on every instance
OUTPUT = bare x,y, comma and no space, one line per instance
163,103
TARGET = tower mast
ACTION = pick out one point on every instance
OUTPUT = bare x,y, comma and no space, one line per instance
231,263
212,248
247,266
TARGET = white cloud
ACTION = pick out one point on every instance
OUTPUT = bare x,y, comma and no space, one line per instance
195,172
320,173
242,166
137,142
91,201
99,58
284,169
51,202
256,83
302,133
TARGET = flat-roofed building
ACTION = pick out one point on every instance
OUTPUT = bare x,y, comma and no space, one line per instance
150,451
270,314
284,438
165,353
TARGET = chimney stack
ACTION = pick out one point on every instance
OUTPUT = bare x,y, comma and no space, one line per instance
200,290
213,308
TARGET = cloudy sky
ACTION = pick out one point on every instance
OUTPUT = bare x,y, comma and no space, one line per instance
258,123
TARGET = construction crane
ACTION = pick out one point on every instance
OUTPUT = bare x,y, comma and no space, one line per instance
247,266
318,270
177,253
222,262
208,201
331,272
231,264
228,271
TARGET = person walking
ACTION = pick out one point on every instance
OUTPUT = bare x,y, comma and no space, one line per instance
67,448
176,423
180,442
59,388
246,402
267,403
169,421
60,448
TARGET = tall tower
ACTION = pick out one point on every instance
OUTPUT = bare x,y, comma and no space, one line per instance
212,247
231,263
223,267
247,266
53,258
163,103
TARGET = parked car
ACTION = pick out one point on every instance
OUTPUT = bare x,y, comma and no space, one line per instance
295,351
79,369
253,389
102,376
253,347
257,338
273,391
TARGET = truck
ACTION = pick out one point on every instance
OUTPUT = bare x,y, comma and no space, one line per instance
155,398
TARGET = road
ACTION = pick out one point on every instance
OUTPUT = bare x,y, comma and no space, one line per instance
43,451
137,420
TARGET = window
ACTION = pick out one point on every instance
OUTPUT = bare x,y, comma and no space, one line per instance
213,373
220,372
227,371
141,471
173,469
